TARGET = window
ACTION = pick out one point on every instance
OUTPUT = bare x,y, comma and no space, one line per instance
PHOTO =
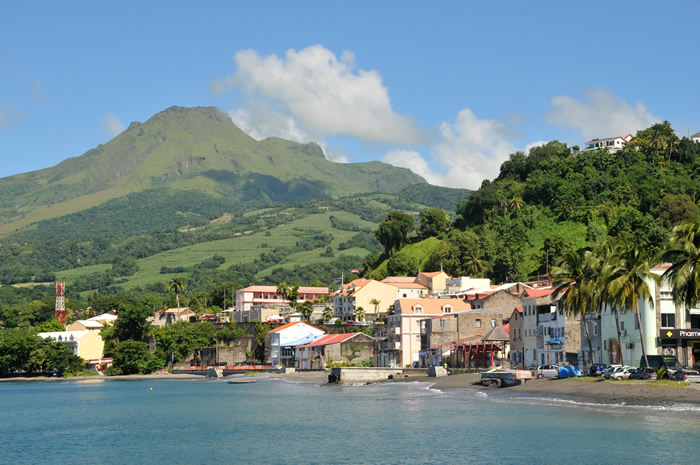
595,330
477,323
493,323
668,320
418,309
447,309
622,326
442,323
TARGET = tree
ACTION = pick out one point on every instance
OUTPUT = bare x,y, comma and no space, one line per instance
178,285
433,222
359,314
327,314
293,296
572,280
132,324
629,284
306,309
375,302
683,252
131,357
392,233
401,264
283,290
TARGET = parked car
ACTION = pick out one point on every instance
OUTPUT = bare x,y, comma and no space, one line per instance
643,373
547,371
687,375
598,368
610,370
624,373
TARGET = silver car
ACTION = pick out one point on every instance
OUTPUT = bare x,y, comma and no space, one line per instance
547,371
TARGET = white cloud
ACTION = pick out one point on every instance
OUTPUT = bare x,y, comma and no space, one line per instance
323,94
10,114
599,114
112,125
469,151
532,145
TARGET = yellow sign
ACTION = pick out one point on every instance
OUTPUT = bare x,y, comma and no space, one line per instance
669,334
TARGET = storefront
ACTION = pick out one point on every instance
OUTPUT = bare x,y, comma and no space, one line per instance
683,343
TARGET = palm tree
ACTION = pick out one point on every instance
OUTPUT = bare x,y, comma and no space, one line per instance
359,314
178,285
306,309
283,290
571,278
683,252
603,270
474,264
293,296
376,303
327,314
629,286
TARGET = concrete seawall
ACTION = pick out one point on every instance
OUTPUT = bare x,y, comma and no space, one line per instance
362,375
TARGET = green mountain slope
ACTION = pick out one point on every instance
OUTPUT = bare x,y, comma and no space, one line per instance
189,149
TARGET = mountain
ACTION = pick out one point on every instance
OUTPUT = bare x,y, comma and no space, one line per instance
189,150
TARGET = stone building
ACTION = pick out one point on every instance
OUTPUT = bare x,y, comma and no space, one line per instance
515,330
349,347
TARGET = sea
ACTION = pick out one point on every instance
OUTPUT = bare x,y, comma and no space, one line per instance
272,421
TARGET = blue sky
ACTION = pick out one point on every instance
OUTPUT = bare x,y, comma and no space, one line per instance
448,89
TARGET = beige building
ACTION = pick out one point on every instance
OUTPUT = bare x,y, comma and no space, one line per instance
361,293
87,345
515,331
171,316
267,296
403,343
85,325
435,281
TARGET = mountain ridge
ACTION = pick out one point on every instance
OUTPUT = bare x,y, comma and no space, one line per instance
183,148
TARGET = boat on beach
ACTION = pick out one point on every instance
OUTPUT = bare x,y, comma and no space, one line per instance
240,381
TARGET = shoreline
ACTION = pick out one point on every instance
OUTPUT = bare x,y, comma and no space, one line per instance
597,391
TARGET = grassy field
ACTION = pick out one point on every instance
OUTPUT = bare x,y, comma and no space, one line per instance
243,249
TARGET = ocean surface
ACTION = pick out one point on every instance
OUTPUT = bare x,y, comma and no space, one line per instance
277,422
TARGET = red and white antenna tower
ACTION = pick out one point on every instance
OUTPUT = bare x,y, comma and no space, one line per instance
60,313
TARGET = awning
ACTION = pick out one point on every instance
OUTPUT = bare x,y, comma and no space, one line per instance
553,341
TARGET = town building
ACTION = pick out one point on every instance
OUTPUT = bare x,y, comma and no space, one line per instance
502,298
268,296
515,332
612,144
85,325
87,345
403,343
695,137
171,316
283,341
668,328
407,287
104,318
465,283
349,347
435,281
364,293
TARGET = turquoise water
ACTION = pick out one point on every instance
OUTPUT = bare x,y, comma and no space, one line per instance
273,421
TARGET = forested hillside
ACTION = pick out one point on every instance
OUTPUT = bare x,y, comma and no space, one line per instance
553,199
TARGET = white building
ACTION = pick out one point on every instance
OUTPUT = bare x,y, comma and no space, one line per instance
283,341
612,144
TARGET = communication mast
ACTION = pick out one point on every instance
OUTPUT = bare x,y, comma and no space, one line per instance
60,313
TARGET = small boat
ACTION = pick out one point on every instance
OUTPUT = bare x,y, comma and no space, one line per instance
240,381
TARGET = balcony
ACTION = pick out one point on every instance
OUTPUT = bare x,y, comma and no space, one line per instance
546,317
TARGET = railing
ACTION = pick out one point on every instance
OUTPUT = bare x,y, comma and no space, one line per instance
544,317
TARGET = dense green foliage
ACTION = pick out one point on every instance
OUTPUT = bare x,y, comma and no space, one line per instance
22,351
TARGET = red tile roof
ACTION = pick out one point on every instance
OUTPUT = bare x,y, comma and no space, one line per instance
506,328
330,339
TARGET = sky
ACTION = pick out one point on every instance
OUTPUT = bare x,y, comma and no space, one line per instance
447,89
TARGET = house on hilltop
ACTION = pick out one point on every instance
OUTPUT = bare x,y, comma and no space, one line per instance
612,144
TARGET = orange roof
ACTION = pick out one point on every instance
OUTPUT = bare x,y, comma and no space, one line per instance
506,328
433,306
331,339
537,292
357,284
289,325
